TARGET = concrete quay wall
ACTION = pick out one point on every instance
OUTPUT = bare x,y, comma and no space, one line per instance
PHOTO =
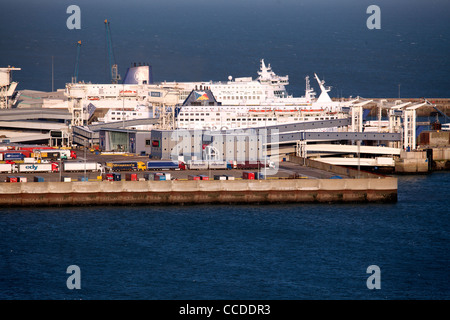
196,192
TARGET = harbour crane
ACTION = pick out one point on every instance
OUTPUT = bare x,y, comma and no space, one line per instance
77,62
113,69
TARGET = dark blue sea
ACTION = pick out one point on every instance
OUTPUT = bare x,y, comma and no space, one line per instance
306,251
277,252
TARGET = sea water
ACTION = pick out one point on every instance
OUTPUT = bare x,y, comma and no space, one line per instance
292,251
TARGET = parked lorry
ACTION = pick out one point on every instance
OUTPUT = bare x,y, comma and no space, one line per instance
38,167
7,167
82,166
54,154
13,155
245,165
204,165
126,166
197,165
163,165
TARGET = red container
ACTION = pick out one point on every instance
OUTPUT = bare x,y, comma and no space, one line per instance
131,177
247,175
11,179
191,177
108,177
204,177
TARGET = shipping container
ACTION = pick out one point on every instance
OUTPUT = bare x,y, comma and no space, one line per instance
11,179
108,177
193,177
66,179
259,176
85,179
220,177
38,179
148,176
131,177
203,177
22,179
159,177
247,175
117,177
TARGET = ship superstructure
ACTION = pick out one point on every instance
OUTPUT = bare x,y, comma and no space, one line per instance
202,111
267,88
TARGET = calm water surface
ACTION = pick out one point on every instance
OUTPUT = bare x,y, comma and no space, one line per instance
308,251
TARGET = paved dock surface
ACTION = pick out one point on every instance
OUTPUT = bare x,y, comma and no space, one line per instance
284,170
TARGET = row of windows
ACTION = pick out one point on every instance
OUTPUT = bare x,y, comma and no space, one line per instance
239,97
196,114
257,119
123,113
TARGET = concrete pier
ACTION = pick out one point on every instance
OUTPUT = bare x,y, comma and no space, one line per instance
412,162
196,192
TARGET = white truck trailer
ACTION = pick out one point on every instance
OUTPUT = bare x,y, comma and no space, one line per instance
7,167
82,166
38,167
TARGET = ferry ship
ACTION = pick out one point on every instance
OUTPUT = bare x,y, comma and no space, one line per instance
202,111
237,103
247,103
